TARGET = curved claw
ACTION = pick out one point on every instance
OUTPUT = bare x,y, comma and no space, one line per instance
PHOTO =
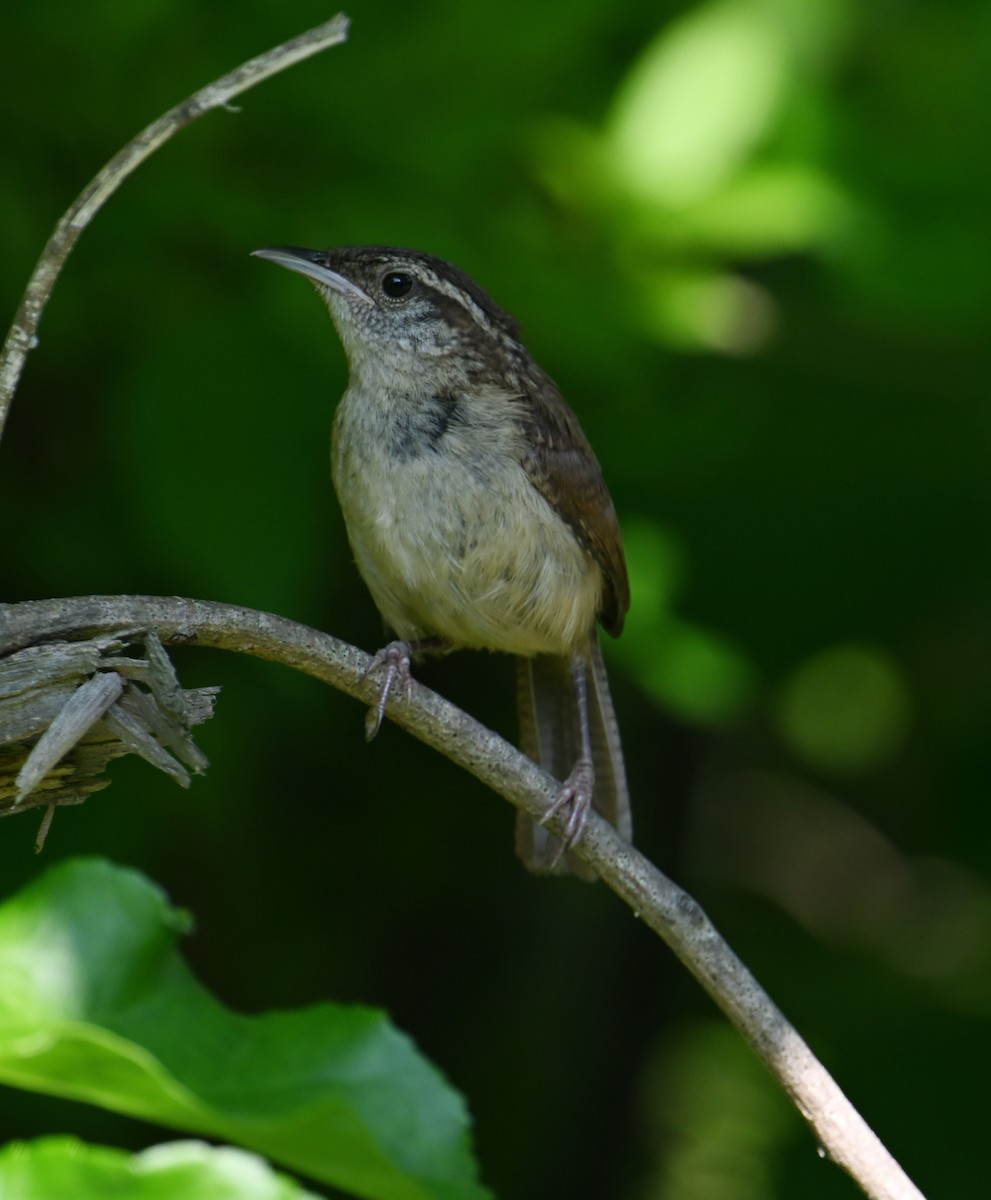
576,796
395,660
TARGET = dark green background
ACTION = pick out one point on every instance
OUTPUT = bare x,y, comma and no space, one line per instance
781,366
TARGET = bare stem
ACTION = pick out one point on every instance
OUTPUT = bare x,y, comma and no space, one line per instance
837,1126
24,330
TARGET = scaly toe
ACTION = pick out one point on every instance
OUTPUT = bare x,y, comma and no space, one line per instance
394,661
576,797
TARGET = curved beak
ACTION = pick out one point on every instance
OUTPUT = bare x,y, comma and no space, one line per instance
312,264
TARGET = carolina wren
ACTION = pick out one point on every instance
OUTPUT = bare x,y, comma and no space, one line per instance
477,513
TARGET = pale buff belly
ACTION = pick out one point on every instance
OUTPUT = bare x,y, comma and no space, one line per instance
465,548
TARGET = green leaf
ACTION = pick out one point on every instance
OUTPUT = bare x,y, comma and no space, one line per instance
59,1167
96,1005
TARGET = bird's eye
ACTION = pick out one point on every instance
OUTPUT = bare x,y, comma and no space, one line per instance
396,284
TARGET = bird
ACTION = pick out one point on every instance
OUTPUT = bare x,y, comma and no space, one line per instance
477,515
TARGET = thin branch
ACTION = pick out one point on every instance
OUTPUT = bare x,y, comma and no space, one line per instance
839,1129
23,333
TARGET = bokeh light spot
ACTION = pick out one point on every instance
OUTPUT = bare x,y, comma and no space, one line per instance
845,709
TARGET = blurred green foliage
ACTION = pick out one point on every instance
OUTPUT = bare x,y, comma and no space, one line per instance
750,241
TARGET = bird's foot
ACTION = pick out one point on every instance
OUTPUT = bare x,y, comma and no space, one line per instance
576,797
393,662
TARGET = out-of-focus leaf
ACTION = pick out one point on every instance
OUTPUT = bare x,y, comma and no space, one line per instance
705,309
62,1168
96,1005
700,97
763,209
708,1102
686,669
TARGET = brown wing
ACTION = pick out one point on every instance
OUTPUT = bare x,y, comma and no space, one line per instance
562,467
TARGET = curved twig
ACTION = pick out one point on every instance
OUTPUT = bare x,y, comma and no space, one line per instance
24,331
839,1129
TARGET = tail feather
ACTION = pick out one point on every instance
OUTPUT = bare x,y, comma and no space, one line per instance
612,796
550,735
